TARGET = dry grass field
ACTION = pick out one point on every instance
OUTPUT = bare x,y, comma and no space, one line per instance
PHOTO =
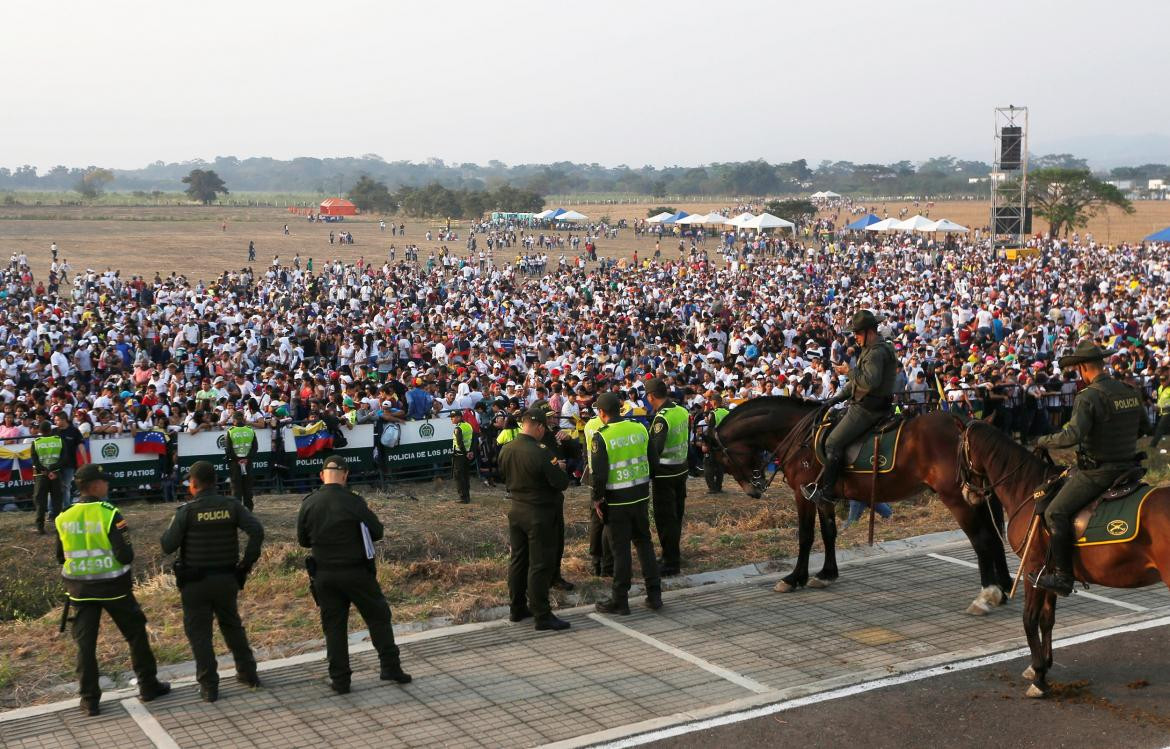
192,240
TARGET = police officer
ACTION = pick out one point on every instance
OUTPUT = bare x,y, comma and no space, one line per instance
48,459
670,437
1107,418
240,448
712,468
342,572
870,392
462,456
536,481
94,548
554,444
211,575
618,453
599,549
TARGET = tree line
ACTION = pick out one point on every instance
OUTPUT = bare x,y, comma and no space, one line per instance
371,195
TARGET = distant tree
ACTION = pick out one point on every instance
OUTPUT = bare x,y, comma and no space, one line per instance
371,195
93,181
204,185
660,209
1057,161
1068,198
658,188
792,210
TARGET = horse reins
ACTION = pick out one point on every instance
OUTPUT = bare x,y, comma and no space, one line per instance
783,447
988,488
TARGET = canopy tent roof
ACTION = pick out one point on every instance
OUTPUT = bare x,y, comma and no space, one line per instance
1160,236
740,220
946,225
864,222
715,217
659,217
571,216
768,221
551,213
694,218
337,207
674,219
915,223
825,194
889,224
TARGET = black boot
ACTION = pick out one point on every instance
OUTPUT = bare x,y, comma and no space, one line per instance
613,605
1058,579
394,672
822,492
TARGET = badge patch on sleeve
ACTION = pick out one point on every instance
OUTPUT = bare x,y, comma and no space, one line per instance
659,426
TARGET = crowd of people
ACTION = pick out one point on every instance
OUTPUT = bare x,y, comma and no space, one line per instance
105,354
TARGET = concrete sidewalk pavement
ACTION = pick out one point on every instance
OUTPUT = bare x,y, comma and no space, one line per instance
715,648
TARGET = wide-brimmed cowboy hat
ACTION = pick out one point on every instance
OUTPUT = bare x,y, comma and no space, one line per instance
864,320
1086,351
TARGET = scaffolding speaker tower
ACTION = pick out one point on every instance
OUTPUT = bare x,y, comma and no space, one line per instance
1011,219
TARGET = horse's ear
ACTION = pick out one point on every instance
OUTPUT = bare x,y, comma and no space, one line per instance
988,418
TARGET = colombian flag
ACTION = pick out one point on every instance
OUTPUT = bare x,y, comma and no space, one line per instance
312,439
16,462
151,442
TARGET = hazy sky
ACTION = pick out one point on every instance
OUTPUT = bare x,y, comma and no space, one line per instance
126,83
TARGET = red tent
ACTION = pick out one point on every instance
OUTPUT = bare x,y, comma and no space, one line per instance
337,207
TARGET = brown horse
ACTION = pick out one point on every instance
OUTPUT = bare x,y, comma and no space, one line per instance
1003,467
768,428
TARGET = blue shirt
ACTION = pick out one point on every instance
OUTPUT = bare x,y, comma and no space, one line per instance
418,403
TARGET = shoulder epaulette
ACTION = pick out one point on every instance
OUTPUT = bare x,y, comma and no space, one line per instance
108,506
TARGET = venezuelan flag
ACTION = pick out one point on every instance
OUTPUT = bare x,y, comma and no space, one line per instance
84,456
16,462
151,442
312,439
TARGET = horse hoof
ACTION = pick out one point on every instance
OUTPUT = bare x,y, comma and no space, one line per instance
1029,673
818,583
979,607
783,587
1034,692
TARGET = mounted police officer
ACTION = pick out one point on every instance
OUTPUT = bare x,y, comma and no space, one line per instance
670,437
94,548
870,393
1107,418
239,449
536,482
342,572
620,492
211,575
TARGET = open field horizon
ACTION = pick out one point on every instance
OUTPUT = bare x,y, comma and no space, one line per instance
191,240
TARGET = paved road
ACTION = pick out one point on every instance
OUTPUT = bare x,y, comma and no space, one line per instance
714,650
1111,692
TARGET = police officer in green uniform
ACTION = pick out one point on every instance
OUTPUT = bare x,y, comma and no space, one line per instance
341,573
712,468
462,456
618,453
94,548
550,441
870,392
599,550
240,448
1106,419
211,575
48,459
670,437
536,481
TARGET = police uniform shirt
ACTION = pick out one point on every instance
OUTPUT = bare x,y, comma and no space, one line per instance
329,523
120,545
206,528
531,473
1106,420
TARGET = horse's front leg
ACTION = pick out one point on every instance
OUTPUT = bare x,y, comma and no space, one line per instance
806,514
828,571
979,528
1037,672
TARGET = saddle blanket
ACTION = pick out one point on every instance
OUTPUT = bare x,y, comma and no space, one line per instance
1112,522
859,455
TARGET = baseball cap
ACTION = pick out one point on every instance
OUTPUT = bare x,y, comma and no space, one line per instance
334,463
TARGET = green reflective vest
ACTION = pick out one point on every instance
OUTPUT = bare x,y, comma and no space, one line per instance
48,449
677,423
241,439
628,481
720,415
591,428
1164,399
462,428
506,436
84,530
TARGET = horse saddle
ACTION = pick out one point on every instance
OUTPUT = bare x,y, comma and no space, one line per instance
859,454
1112,517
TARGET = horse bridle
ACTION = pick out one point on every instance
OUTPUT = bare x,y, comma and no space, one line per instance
784,446
987,489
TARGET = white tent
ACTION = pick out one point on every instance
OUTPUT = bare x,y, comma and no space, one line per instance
914,223
946,225
715,217
739,220
659,218
768,221
545,214
572,216
824,195
694,218
890,224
